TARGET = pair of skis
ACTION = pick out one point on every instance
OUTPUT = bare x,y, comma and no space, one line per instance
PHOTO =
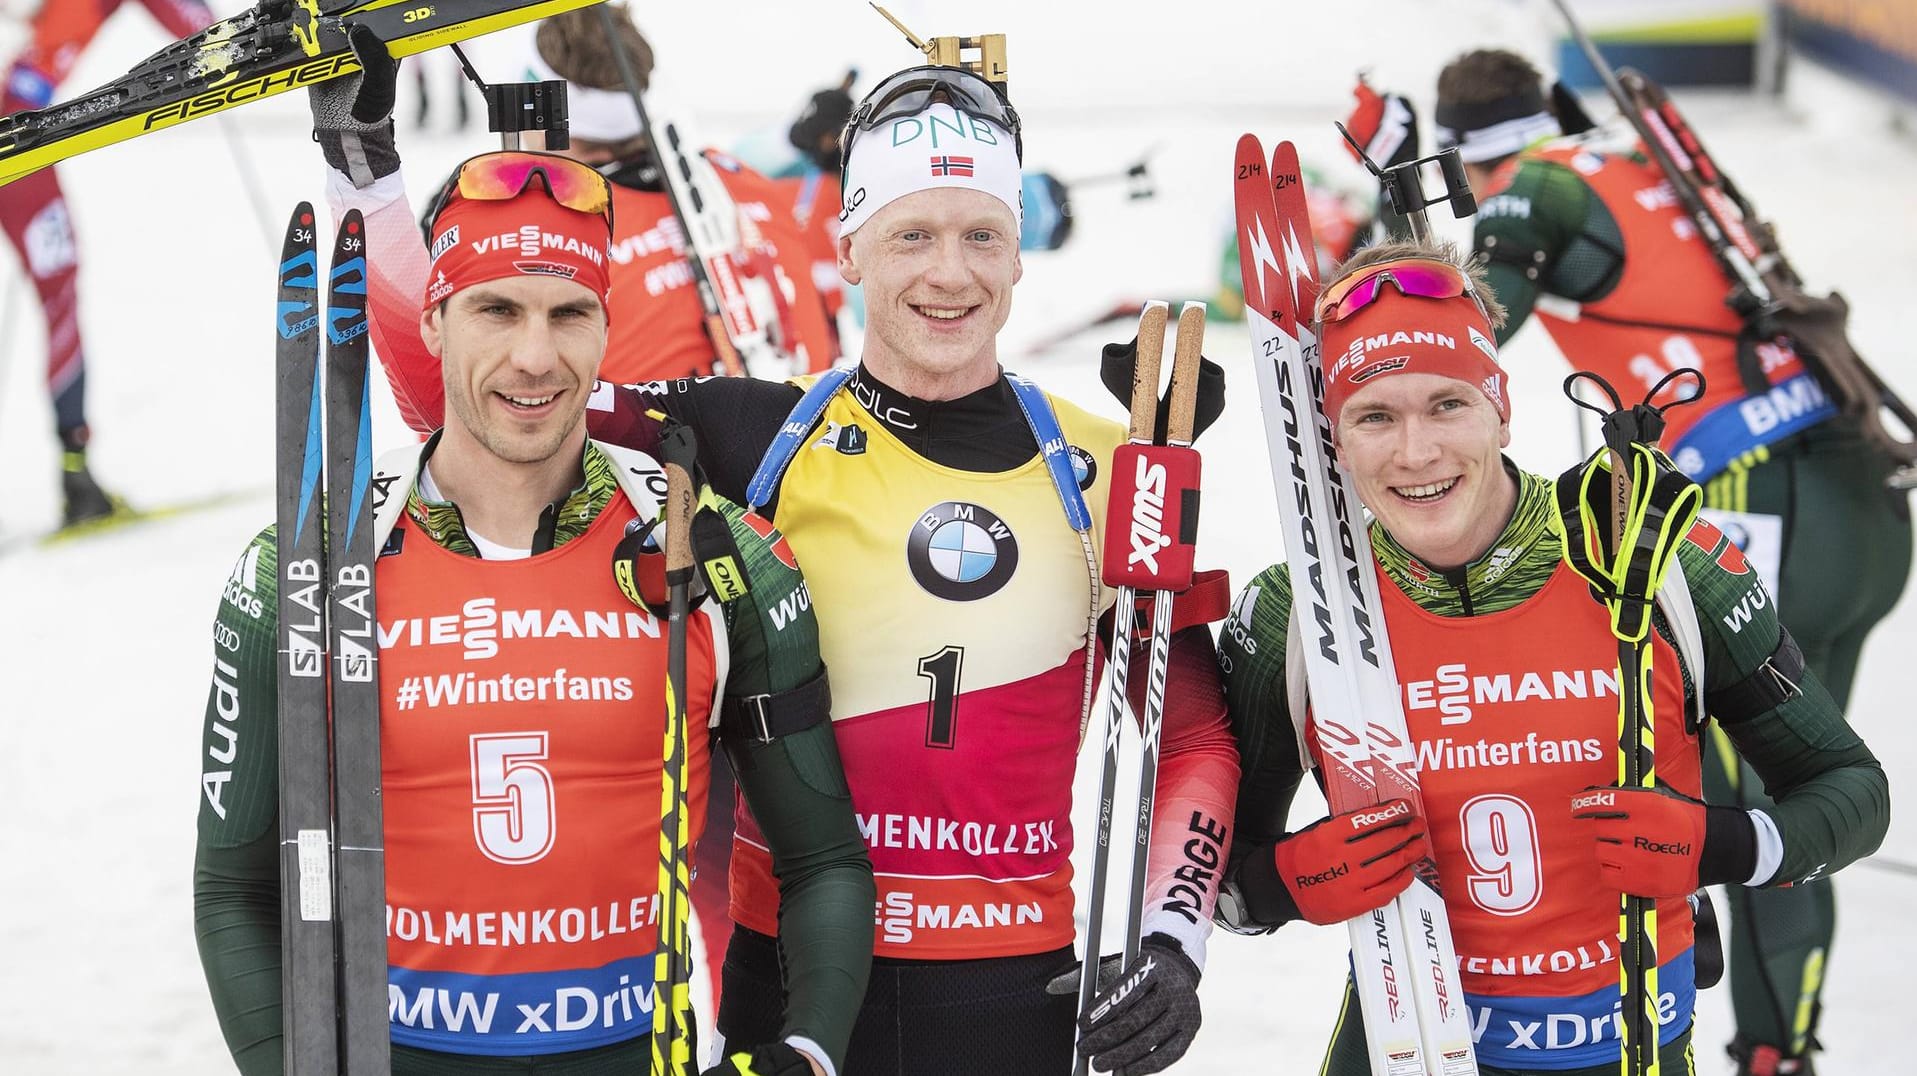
332,851
1151,524
1405,968
276,46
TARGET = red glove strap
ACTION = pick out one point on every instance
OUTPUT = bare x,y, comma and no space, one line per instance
1151,519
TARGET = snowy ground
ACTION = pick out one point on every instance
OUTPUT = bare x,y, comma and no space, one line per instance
105,641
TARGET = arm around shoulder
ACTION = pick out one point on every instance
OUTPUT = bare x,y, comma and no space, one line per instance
776,727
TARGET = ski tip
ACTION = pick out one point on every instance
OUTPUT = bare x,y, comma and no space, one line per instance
302,216
1249,162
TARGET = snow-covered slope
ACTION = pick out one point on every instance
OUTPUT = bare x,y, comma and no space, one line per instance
104,644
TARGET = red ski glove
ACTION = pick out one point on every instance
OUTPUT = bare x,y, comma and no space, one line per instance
1658,843
1344,866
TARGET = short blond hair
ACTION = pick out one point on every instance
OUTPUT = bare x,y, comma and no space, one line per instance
1436,250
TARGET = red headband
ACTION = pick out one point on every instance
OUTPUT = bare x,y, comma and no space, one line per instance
1405,334
476,240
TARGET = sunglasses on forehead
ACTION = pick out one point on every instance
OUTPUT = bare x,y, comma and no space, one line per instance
915,89
1422,278
503,176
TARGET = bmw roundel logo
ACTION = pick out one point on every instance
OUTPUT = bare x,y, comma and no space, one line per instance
1084,467
961,552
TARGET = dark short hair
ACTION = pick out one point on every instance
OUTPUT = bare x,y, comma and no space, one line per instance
575,46
1484,75
1437,250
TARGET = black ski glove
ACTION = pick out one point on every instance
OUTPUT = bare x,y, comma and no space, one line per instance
777,1059
353,117
817,131
1145,1022
1115,371
1572,119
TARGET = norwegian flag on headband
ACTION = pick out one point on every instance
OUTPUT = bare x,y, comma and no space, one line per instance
951,166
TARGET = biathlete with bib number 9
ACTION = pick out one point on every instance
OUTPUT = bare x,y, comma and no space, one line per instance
1595,245
1510,683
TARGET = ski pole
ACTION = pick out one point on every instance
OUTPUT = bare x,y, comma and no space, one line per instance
249,176
1137,178
672,1020
1637,768
1144,413
1178,435
1652,506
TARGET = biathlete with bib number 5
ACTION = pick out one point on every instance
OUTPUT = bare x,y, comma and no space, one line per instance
1509,675
525,943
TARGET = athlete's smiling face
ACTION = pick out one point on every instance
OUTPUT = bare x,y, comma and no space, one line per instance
938,268
518,356
1424,451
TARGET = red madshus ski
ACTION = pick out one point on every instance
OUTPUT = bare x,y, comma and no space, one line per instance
1404,965
365,1035
308,959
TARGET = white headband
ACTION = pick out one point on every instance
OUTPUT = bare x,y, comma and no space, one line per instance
594,115
1499,139
939,147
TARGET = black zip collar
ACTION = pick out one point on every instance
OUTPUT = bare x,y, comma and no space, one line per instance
980,431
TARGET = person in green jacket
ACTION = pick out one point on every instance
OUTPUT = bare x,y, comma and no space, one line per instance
522,702
1509,678
1591,241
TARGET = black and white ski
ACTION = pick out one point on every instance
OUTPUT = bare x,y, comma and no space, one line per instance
332,859
307,954
354,661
